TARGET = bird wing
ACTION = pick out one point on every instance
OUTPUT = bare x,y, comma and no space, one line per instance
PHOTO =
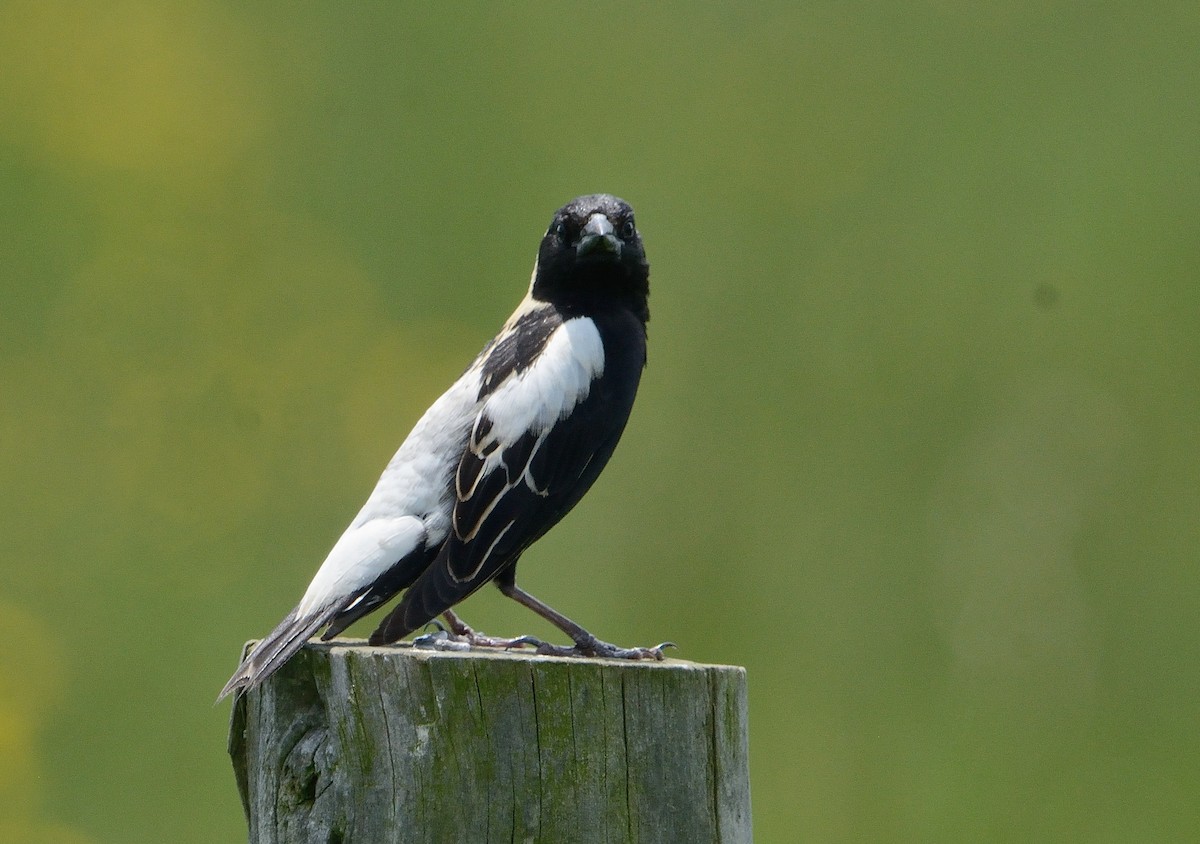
535,447
528,448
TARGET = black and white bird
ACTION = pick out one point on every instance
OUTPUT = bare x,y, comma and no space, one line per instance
500,458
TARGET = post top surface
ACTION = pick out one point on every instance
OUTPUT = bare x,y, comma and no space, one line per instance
408,650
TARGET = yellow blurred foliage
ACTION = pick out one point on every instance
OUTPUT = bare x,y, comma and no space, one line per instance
31,683
153,88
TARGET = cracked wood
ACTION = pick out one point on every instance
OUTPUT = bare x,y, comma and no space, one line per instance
350,743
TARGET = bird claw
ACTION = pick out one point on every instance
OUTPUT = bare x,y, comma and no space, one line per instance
524,641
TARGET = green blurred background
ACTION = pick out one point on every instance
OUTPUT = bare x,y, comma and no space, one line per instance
919,443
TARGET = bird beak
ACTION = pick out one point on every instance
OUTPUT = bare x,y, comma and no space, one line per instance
597,240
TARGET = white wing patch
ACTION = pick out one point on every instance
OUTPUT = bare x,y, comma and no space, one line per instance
546,392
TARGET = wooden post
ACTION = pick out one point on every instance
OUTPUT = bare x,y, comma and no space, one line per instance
352,744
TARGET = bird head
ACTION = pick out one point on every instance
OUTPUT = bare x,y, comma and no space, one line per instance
592,251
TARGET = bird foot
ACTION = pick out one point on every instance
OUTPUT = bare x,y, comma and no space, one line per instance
461,637
596,648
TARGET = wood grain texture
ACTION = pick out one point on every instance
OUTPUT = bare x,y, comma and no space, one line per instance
350,743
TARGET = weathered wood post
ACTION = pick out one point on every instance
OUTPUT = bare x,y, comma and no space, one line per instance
352,744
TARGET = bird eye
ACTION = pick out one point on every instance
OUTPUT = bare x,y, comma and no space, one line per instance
560,229
627,229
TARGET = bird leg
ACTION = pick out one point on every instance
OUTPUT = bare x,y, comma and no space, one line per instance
585,643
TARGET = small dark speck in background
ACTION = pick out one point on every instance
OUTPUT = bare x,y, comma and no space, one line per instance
1045,296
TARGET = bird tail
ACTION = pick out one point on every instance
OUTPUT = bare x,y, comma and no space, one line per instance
271,653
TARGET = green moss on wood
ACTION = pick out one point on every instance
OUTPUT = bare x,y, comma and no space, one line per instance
353,743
